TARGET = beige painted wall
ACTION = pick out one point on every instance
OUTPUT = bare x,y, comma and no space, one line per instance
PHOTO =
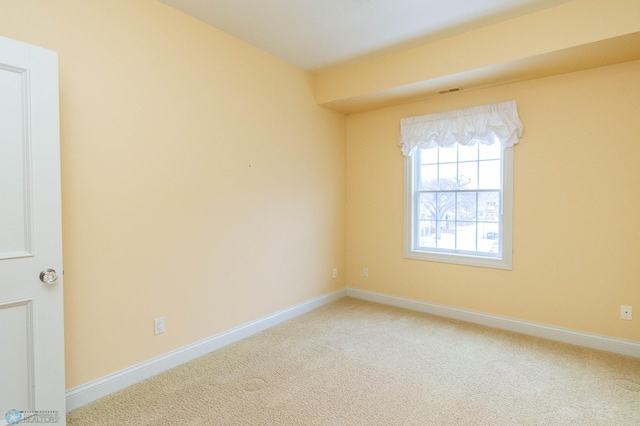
202,183
576,228
200,180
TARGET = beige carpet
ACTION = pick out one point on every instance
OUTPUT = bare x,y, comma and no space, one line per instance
359,363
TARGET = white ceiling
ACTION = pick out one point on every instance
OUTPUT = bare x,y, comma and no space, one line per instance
317,35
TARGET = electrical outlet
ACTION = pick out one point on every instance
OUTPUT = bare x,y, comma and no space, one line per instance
335,272
158,325
625,312
365,272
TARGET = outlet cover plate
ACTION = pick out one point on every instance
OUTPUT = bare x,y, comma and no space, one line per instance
625,312
158,325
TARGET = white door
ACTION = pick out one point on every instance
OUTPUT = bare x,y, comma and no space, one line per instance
31,311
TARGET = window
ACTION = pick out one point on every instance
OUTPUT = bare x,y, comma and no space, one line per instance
459,205
458,196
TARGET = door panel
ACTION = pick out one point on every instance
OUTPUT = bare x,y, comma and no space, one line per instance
15,151
17,367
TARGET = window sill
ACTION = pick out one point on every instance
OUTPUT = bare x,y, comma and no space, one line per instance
459,259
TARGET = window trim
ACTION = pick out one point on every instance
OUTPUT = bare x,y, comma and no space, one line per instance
505,262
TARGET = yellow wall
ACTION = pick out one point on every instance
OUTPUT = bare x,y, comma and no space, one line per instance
576,234
200,180
202,183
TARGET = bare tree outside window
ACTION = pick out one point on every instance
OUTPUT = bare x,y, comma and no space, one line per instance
459,198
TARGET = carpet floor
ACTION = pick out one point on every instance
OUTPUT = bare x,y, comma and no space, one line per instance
360,363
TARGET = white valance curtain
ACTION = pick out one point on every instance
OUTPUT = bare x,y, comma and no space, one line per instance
486,124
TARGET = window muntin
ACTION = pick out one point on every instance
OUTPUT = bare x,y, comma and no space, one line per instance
459,205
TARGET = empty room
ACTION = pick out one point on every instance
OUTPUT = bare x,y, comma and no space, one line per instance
336,212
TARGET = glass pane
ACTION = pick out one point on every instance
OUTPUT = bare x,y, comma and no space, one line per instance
488,237
489,206
448,176
468,175
449,155
466,236
427,207
446,235
427,233
489,174
429,156
467,206
446,207
490,152
429,177
468,153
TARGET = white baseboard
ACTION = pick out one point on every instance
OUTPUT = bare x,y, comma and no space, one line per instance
594,341
104,386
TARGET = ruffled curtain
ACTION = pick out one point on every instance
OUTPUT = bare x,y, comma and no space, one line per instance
485,124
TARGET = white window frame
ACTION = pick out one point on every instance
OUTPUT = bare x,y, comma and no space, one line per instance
504,258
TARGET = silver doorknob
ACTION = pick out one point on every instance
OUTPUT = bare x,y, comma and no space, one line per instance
48,276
